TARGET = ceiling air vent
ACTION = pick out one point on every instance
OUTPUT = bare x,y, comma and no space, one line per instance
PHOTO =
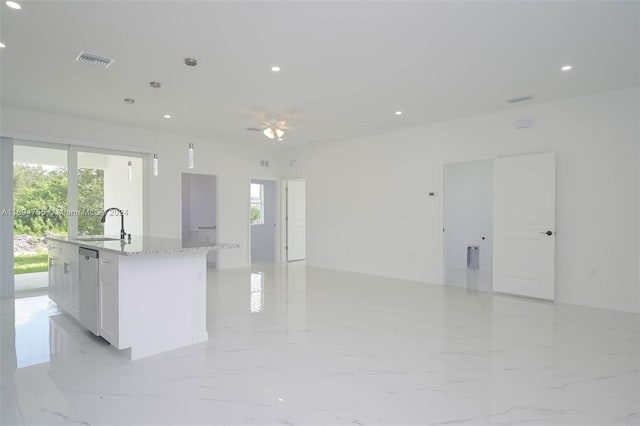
264,163
94,59
253,129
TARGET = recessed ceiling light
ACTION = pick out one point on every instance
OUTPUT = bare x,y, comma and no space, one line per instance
275,68
13,5
2,44
398,112
166,116
566,68
280,139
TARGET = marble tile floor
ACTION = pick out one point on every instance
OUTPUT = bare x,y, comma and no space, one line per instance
31,282
297,345
471,279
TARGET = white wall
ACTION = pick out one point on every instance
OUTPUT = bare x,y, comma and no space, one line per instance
468,198
368,209
234,164
263,237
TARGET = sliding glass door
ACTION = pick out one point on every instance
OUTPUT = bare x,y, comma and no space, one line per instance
40,200
105,181
63,189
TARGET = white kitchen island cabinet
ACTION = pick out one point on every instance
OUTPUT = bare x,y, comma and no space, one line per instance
151,292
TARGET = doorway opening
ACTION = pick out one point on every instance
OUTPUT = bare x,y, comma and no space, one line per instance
263,220
296,220
468,225
40,188
200,212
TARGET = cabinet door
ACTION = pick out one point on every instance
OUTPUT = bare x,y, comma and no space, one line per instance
53,282
65,273
70,273
74,287
109,300
54,273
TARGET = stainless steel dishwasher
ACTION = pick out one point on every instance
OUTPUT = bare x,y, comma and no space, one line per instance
89,289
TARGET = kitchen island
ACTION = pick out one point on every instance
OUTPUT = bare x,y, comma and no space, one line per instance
146,295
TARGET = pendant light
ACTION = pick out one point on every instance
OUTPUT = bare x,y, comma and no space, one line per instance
155,85
191,155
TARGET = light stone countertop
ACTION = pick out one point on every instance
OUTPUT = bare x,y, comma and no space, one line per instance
139,245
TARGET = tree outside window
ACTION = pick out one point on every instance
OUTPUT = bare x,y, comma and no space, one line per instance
257,204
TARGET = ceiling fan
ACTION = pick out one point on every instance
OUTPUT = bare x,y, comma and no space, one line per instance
272,128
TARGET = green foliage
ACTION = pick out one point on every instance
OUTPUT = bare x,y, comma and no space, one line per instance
28,263
40,200
90,201
255,215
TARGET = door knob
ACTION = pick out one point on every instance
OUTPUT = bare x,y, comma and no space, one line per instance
547,233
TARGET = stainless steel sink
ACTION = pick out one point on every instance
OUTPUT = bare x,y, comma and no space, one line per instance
97,239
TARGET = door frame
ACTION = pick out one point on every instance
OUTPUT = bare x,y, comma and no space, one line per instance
285,221
444,217
278,241
493,236
7,284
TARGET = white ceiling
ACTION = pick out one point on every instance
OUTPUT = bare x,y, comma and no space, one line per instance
346,66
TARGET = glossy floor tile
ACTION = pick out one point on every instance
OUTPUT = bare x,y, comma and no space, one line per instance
295,345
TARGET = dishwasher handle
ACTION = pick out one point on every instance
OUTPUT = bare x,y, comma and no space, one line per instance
88,253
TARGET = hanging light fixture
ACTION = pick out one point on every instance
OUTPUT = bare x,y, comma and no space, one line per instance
191,155
268,132
155,85
130,167
272,131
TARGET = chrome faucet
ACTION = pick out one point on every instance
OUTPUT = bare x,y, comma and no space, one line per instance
104,218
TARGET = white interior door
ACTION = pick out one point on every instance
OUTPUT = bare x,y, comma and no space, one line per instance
524,225
296,221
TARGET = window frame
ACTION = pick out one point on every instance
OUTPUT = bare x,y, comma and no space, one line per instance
257,203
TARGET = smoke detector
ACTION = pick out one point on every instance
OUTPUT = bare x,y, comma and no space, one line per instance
190,62
155,84
92,58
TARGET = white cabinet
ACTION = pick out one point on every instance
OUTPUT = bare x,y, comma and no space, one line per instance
64,287
146,303
109,301
63,277
70,271
54,272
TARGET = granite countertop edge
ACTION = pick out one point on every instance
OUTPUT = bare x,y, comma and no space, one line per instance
121,249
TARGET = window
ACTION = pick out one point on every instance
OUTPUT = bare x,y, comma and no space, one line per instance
257,204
